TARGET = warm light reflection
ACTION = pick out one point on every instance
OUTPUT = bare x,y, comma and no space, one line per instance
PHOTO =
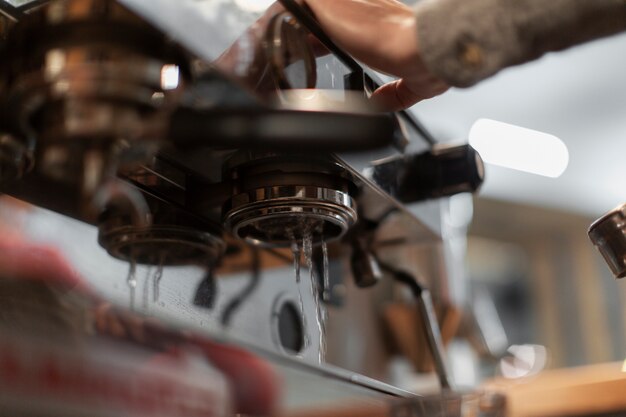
55,62
519,148
624,366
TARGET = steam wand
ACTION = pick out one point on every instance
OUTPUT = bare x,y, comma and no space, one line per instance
429,321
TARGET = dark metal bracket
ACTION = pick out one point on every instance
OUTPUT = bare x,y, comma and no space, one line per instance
17,13
11,12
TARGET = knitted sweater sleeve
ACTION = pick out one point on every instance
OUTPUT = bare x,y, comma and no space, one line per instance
466,41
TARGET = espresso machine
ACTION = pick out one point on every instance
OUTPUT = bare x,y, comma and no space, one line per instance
217,164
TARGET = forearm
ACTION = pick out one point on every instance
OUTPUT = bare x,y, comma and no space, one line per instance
465,41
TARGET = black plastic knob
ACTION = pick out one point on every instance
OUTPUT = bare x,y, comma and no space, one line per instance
365,268
440,172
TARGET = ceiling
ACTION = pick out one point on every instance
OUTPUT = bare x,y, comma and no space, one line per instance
578,95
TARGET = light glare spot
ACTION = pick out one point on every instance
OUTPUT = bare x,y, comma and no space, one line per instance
170,77
524,361
519,148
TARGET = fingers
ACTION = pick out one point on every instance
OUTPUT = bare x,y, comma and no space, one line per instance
379,33
394,96
399,94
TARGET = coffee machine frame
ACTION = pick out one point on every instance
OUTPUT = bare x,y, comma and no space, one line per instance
204,197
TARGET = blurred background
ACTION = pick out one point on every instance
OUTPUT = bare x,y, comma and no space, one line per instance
528,243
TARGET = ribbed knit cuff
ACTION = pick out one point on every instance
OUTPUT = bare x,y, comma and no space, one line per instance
465,41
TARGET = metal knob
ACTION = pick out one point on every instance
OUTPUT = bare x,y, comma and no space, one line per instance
608,234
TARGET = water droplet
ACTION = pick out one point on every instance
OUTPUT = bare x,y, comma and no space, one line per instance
146,290
295,249
131,281
303,247
156,280
326,272
307,248
305,324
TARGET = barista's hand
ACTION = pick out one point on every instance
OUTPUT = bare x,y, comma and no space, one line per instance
383,35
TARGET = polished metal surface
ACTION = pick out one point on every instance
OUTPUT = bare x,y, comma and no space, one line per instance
95,103
279,216
167,245
289,52
192,22
10,12
4,26
608,234
100,76
280,199
25,5
325,100
15,158
155,233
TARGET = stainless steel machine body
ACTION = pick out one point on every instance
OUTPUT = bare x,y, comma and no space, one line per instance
191,150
